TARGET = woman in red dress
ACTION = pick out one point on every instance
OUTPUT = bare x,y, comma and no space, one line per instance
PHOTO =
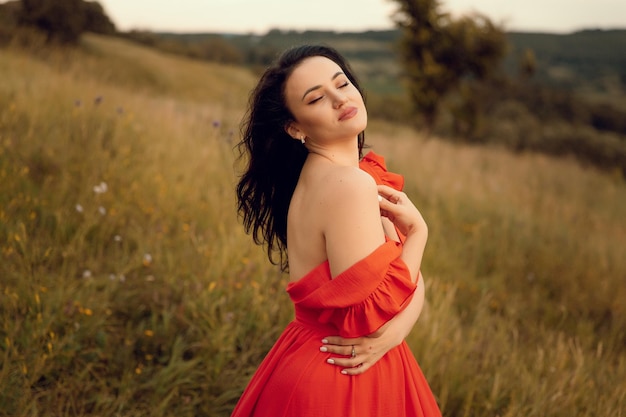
350,238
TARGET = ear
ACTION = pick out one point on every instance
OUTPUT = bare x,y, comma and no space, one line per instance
293,131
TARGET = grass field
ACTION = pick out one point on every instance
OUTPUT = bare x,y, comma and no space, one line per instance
128,288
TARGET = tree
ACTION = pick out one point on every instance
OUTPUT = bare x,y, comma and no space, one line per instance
421,23
62,20
96,20
441,55
65,20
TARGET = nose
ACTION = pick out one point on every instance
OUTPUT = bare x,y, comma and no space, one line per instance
339,100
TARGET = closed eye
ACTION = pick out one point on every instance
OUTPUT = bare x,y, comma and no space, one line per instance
315,100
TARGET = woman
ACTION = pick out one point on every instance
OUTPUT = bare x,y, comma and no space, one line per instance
350,239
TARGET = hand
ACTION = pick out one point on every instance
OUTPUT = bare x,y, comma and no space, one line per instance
368,350
396,206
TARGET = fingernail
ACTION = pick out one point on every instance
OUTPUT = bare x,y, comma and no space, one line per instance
344,372
325,341
323,349
380,198
331,361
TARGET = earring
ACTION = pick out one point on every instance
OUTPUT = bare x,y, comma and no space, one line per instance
302,139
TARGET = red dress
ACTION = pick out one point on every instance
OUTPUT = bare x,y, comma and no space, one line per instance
294,379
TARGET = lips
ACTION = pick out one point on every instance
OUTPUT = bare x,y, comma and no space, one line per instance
348,113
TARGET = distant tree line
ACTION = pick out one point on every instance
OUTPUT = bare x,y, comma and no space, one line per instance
211,47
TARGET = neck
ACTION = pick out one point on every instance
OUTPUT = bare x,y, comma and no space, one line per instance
341,154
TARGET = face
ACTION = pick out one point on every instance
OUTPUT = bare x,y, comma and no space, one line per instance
326,106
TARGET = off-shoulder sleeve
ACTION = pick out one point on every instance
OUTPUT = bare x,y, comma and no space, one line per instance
375,165
362,298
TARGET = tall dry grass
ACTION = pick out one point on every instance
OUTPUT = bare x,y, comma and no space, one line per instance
128,288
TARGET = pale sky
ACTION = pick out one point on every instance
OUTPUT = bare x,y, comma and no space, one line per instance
244,16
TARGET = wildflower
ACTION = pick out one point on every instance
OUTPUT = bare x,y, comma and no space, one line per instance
216,123
102,211
88,312
112,277
122,277
101,188
148,333
86,274
79,208
117,238
98,100
147,259
229,317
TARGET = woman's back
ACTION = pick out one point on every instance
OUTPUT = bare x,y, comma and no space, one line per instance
333,215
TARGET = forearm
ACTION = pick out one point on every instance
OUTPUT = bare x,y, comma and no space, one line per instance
413,251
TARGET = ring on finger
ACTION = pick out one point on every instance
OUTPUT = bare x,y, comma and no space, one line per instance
353,353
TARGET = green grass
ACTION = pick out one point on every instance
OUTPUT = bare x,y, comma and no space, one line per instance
148,299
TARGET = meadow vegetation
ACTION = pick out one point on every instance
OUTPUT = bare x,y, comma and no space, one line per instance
128,288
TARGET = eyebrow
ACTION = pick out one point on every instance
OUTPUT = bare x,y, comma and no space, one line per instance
337,74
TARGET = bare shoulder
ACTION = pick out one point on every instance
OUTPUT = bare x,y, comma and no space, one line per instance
347,185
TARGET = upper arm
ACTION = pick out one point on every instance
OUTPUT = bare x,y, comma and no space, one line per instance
352,223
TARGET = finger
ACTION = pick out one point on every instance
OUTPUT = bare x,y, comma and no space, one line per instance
386,190
341,341
386,205
357,370
337,349
345,362
389,194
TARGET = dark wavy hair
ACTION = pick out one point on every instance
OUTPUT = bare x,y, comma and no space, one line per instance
274,159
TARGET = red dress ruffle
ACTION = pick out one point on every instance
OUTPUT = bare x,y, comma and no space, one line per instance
294,378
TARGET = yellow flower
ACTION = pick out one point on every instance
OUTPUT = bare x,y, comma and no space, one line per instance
148,333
